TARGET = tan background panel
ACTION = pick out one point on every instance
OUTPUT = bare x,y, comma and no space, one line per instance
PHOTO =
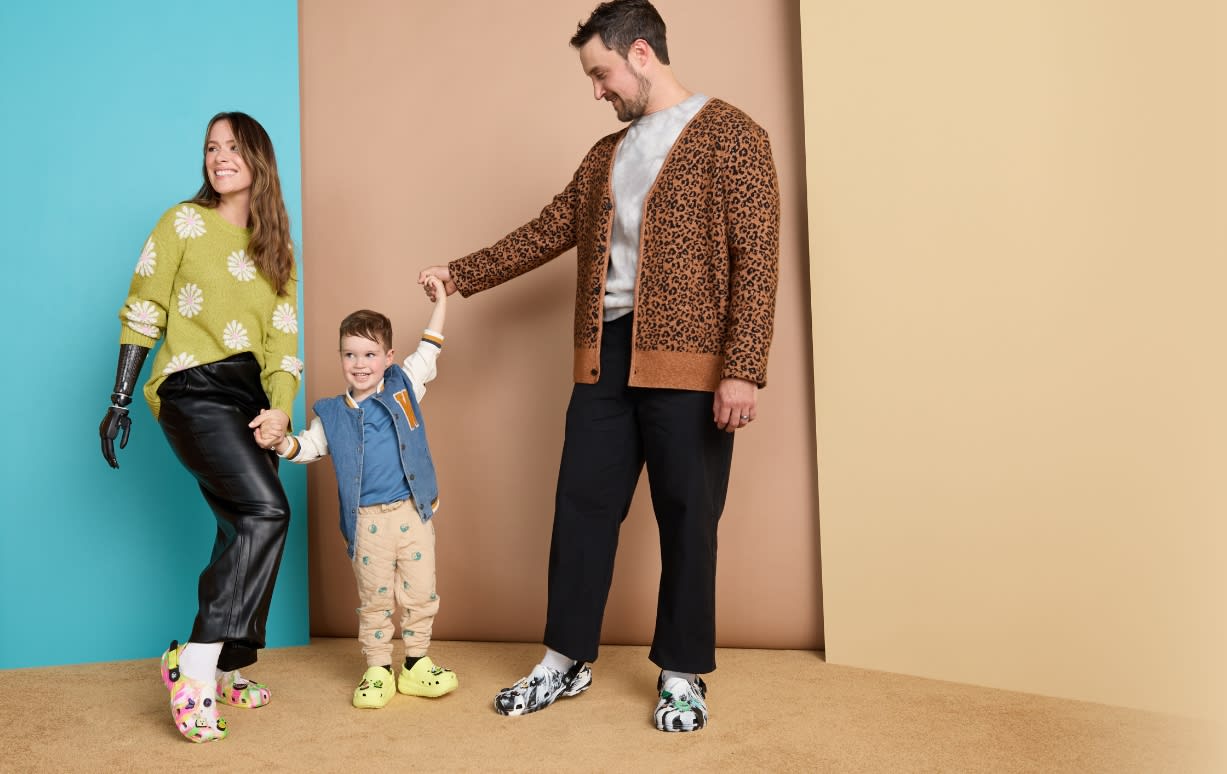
429,131
1016,220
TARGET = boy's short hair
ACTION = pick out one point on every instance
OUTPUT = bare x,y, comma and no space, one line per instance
368,325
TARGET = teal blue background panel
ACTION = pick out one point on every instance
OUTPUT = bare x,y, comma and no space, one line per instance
102,128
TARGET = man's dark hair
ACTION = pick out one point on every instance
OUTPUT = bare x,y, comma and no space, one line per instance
620,23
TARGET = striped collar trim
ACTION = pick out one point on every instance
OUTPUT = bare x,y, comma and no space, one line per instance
353,404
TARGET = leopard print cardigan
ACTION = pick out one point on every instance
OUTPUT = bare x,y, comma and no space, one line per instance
708,258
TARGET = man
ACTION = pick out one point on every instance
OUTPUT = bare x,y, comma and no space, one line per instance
676,224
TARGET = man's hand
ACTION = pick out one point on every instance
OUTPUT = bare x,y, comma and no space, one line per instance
442,274
735,404
269,428
115,422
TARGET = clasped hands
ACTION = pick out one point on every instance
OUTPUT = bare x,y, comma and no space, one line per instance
269,428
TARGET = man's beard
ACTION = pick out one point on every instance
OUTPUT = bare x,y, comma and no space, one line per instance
632,109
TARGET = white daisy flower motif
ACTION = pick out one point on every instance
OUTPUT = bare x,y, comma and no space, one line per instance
179,362
142,312
285,319
145,330
189,223
235,335
241,266
191,299
147,261
142,318
293,365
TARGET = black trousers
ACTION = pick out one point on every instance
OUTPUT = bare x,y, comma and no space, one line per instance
612,431
205,411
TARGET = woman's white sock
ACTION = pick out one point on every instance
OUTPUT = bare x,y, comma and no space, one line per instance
199,660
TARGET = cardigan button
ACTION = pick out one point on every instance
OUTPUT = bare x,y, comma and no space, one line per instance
410,476
608,206
593,372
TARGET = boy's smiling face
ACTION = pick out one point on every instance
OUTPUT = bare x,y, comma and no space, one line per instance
363,362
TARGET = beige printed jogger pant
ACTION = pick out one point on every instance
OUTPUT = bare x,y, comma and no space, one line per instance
394,564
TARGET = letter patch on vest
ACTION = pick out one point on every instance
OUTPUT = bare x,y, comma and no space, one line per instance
402,397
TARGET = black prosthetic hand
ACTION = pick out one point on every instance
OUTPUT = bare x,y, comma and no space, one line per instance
116,421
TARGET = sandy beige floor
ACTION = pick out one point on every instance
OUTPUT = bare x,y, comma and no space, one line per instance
776,711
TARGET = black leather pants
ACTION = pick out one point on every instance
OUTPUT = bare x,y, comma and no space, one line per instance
205,411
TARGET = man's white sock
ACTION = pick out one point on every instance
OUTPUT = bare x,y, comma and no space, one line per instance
556,661
667,675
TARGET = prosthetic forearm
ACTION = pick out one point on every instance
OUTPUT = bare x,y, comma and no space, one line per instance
131,358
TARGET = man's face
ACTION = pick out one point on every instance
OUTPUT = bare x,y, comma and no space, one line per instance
615,79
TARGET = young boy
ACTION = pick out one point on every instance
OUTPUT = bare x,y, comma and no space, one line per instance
388,493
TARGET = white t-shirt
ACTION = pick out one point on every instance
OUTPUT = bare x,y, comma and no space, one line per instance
639,159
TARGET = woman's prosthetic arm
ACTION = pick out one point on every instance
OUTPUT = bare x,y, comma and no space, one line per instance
131,358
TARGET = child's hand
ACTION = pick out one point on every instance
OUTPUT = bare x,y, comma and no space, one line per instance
436,291
440,273
267,438
269,428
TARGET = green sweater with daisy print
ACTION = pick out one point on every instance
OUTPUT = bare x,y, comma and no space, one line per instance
196,287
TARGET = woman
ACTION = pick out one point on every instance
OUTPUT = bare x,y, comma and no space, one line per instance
216,280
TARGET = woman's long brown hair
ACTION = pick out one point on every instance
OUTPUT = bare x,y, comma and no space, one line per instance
270,245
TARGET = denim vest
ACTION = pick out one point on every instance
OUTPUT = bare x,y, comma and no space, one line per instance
343,428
